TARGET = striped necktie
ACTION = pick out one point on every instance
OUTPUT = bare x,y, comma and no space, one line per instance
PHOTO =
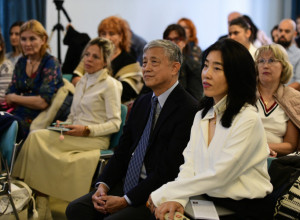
136,161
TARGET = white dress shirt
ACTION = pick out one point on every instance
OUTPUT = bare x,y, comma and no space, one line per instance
233,165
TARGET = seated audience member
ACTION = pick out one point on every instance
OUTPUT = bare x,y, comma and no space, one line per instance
277,104
14,37
63,166
190,71
194,51
6,71
226,157
287,33
240,31
124,66
274,33
231,16
149,153
37,75
258,37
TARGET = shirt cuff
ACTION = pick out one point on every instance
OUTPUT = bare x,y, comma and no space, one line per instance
98,183
127,199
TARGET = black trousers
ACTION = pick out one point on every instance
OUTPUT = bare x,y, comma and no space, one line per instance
246,209
83,208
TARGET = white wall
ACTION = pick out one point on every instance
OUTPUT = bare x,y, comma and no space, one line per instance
149,18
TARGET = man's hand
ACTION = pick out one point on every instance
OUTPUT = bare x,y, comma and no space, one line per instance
168,207
114,203
98,200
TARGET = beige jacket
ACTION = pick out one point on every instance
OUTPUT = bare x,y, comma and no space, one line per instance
289,99
97,106
45,118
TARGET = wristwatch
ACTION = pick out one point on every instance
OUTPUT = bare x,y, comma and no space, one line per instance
86,132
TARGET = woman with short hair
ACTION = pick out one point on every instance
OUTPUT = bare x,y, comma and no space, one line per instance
278,104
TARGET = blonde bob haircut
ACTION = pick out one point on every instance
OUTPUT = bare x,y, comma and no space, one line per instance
38,29
106,47
120,26
279,54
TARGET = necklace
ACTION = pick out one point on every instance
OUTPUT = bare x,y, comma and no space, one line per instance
33,65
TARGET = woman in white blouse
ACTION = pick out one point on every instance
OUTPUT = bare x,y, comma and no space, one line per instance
278,104
226,157
64,167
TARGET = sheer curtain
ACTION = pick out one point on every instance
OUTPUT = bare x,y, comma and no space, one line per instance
20,10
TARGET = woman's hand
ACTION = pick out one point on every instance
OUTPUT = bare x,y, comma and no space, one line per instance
9,98
76,130
273,153
150,205
168,207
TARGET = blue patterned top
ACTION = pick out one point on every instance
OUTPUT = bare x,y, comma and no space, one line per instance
44,82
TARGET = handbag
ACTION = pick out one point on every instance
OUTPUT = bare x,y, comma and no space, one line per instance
21,195
14,196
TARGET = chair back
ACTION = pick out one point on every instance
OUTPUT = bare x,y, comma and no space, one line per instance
114,139
7,143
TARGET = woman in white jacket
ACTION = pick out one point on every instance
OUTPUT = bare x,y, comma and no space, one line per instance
64,167
226,157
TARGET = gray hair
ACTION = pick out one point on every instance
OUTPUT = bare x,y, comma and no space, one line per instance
172,51
106,47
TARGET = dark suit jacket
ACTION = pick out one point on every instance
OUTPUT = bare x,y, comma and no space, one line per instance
166,144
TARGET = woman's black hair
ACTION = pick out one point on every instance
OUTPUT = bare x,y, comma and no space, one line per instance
15,24
175,27
239,70
254,29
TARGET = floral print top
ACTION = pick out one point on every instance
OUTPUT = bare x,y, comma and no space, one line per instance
44,82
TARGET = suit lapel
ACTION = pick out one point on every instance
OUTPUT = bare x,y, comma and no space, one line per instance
171,104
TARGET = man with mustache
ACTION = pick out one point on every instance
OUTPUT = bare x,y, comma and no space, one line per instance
287,33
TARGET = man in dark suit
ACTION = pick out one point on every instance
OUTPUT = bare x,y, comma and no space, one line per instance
168,137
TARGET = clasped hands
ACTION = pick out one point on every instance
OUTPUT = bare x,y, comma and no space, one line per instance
107,204
167,207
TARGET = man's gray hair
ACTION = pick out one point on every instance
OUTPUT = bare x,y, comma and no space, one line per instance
172,51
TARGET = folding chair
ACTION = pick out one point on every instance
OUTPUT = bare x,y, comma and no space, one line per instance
8,144
8,149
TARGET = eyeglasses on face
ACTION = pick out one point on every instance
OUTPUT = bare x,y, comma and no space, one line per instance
270,61
175,39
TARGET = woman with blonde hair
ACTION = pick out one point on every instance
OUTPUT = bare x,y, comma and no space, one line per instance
37,75
191,33
278,104
47,158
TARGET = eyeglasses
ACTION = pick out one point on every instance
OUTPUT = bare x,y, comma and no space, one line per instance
270,61
175,39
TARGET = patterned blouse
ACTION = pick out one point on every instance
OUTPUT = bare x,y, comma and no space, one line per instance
6,71
44,82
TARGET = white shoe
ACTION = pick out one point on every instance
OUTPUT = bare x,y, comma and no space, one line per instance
43,209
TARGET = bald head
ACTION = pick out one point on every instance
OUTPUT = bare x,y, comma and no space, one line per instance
233,15
286,32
